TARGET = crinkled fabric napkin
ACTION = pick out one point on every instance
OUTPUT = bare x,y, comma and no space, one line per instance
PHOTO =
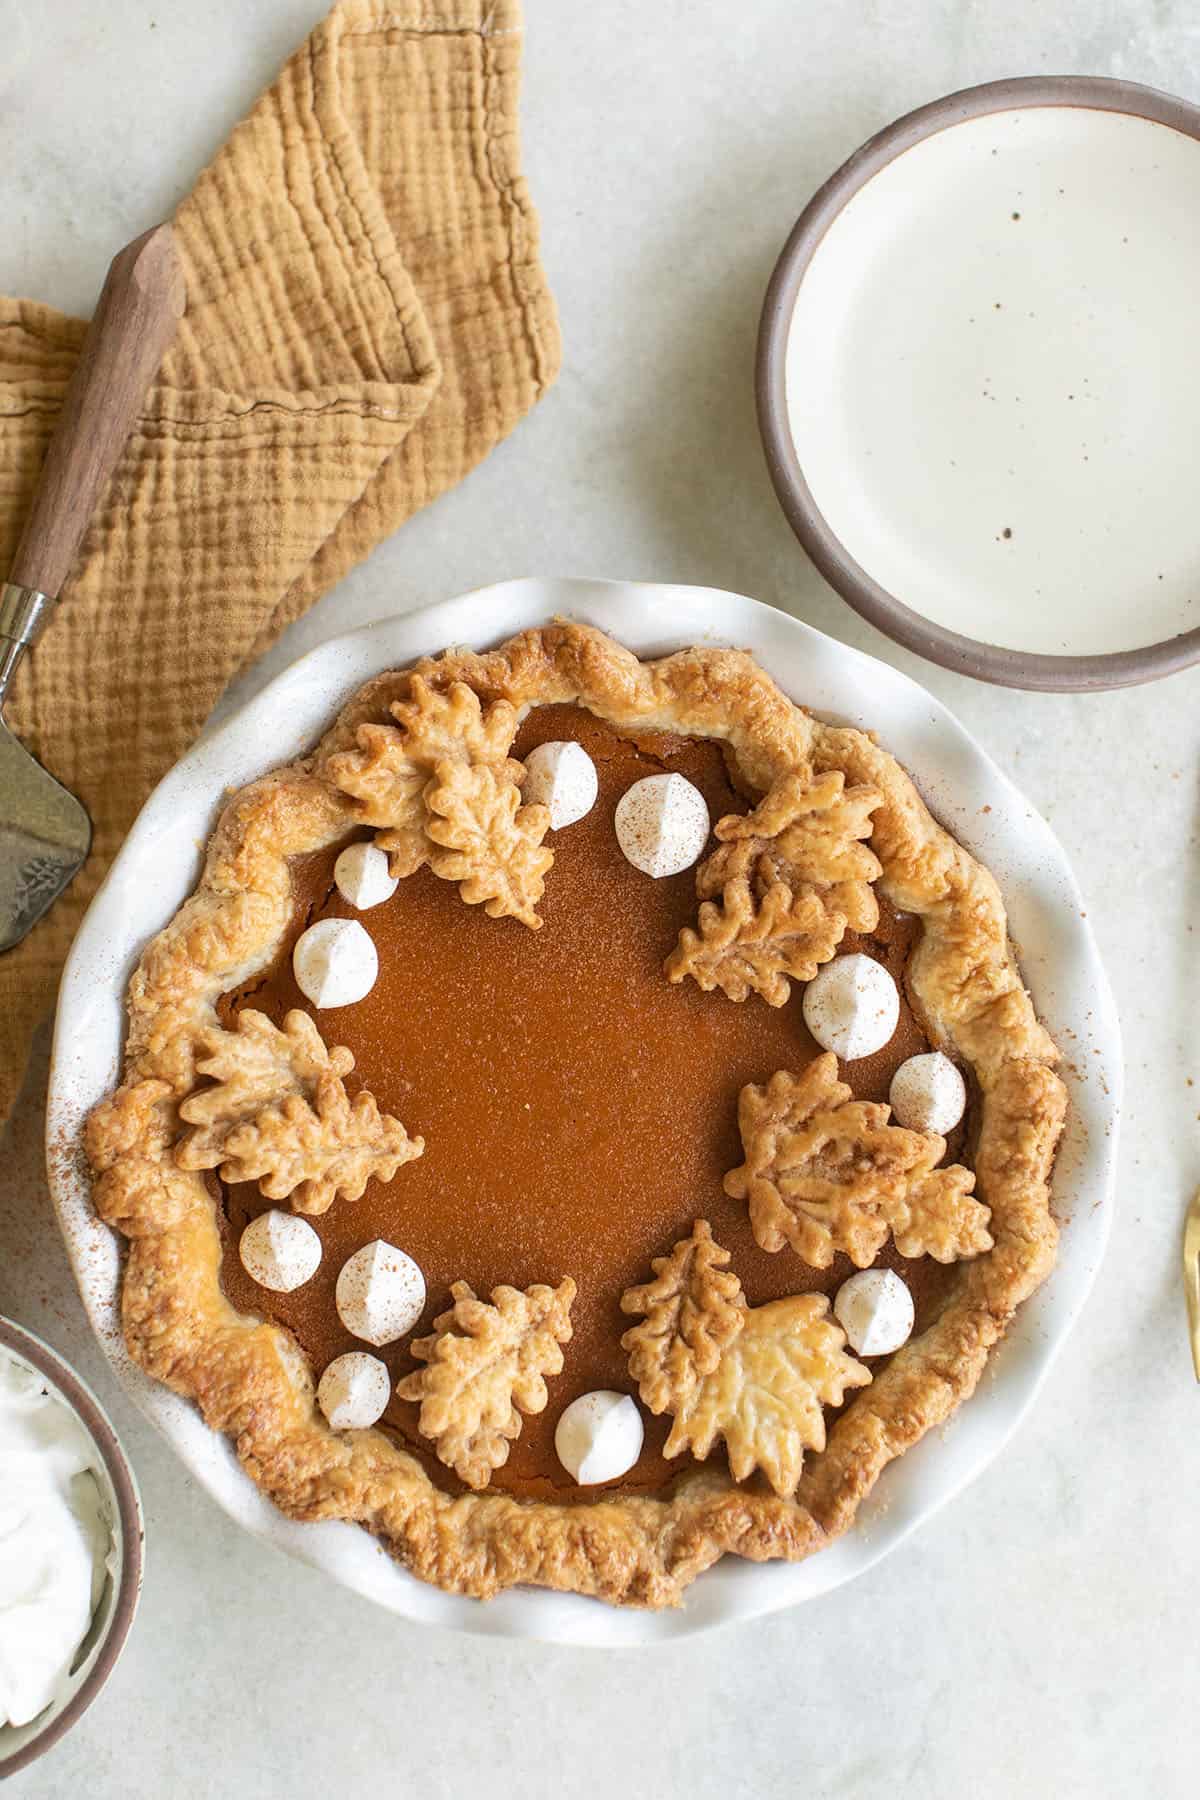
367,317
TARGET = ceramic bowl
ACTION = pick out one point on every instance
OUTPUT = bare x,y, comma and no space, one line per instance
158,867
114,1615
977,382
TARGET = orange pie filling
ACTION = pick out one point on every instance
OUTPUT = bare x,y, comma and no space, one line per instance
579,1111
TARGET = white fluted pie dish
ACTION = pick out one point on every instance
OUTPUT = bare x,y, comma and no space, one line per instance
157,869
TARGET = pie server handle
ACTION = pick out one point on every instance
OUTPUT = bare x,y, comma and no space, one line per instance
136,318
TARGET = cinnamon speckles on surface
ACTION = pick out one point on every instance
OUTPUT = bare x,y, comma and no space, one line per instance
662,824
491,1052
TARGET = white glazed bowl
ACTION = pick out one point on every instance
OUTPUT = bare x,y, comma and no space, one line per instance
976,373
114,1615
158,867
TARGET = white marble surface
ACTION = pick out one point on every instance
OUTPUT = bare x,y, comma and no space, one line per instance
1043,1636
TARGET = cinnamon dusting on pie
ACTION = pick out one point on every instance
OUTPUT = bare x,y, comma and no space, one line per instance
578,1112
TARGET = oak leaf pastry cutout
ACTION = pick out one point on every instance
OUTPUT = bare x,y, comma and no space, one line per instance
438,723
766,1396
387,786
482,837
441,788
249,1067
277,1112
792,876
485,1365
827,1173
692,1311
746,947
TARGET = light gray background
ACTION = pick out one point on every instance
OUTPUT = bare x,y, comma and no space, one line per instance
1041,1638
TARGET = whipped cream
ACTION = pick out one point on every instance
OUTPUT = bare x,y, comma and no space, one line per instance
662,824
562,777
363,877
599,1436
380,1293
55,1539
852,1007
335,963
928,1093
279,1251
354,1391
875,1310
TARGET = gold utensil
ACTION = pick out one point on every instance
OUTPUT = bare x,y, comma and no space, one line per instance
1191,1277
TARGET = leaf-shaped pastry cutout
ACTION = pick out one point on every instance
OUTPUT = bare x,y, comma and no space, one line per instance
485,1365
826,1173
250,1067
743,946
765,1396
793,876
316,1151
406,847
693,1310
389,771
272,1111
380,775
483,838
813,830
437,725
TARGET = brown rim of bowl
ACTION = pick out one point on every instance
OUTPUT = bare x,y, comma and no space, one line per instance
968,656
129,1510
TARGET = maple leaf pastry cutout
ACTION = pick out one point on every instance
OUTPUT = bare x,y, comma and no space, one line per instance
784,885
827,1173
276,1111
766,1396
440,788
691,1312
485,1366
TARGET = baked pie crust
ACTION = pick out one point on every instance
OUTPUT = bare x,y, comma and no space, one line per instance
423,756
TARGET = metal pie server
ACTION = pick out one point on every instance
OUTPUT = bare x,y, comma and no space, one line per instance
45,833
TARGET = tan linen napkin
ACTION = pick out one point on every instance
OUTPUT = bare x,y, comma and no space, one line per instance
367,317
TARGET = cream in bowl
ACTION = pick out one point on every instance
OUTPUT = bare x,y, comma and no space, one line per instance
70,1552
978,381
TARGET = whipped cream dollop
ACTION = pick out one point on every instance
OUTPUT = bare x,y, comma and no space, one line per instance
928,1093
599,1436
279,1251
362,876
335,963
561,776
55,1541
875,1310
380,1293
852,1007
354,1391
662,824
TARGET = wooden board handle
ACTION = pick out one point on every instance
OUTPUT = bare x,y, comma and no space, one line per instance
136,317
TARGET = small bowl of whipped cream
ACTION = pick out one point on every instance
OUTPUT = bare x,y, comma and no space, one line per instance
70,1547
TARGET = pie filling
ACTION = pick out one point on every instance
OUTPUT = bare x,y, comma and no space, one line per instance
579,1111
